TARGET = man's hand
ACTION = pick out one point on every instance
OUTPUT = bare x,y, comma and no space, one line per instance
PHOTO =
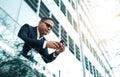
60,47
52,44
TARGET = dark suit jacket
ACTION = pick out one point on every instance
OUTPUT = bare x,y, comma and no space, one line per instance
29,35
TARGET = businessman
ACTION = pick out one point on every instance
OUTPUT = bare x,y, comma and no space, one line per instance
34,38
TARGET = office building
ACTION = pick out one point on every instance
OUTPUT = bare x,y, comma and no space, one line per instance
84,56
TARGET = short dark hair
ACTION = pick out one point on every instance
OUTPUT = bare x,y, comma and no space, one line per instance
47,18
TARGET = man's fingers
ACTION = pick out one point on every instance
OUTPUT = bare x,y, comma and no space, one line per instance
56,44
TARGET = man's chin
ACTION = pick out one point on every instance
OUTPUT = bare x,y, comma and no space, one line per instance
46,33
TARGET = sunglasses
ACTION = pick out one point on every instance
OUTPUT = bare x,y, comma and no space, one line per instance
48,25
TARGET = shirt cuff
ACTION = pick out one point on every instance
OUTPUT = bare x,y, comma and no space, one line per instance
44,45
54,55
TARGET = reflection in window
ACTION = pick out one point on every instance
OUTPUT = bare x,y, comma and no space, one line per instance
8,29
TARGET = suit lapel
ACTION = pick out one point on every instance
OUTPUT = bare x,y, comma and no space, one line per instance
35,32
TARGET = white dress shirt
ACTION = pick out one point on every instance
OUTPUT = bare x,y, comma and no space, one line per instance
38,37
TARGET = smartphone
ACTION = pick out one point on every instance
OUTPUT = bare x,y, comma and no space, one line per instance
62,41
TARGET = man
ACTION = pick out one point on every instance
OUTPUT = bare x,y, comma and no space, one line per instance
34,38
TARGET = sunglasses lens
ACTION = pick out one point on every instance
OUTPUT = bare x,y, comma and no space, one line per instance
48,25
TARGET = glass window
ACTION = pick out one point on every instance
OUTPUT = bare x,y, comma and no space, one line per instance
77,52
78,1
63,35
83,38
91,67
57,2
71,45
94,71
75,25
69,17
56,26
86,63
73,5
69,0
44,11
87,43
63,8
33,4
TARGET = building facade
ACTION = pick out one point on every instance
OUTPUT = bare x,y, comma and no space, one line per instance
84,56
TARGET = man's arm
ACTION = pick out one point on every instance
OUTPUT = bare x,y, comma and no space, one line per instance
24,33
48,58
51,57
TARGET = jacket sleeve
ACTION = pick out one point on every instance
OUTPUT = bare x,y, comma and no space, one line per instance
24,33
47,57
